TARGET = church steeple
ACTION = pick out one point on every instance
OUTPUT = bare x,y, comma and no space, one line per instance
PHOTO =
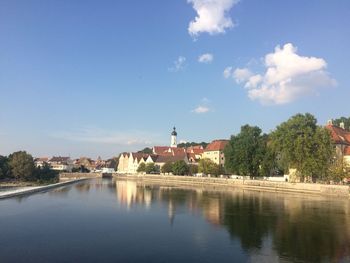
173,142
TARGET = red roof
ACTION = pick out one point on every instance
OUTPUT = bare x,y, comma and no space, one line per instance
339,135
217,145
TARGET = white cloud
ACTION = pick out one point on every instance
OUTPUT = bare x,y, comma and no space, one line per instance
206,58
211,16
242,74
179,64
228,71
288,77
201,109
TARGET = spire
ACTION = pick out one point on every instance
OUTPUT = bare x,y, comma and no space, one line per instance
174,132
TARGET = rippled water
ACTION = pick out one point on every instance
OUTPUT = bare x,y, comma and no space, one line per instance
127,221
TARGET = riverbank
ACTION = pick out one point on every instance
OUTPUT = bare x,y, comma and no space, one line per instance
35,189
261,185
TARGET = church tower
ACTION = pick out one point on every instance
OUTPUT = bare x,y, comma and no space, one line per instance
173,142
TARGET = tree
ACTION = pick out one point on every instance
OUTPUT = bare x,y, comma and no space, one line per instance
151,168
189,144
141,168
21,165
345,120
303,145
180,168
193,169
207,166
146,150
4,169
167,167
46,174
245,152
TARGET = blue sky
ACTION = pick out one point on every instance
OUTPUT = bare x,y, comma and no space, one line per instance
89,78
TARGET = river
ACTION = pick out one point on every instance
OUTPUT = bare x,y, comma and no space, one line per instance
108,220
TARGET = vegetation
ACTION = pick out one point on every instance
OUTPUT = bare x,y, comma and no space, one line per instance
346,121
180,168
141,168
151,168
299,143
189,144
146,150
20,167
245,152
207,166
193,169
303,145
81,169
167,167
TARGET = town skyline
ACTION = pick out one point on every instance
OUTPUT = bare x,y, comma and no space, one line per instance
96,80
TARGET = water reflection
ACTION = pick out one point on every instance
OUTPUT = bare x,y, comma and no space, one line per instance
297,228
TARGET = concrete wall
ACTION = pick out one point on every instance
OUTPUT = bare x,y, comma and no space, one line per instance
322,189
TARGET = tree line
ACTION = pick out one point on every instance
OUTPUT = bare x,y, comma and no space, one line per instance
298,143
20,166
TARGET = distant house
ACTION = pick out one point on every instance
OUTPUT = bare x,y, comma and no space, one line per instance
40,162
215,151
194,153
341,139
162,159
61,163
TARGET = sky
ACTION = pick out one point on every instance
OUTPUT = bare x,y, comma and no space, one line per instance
96,78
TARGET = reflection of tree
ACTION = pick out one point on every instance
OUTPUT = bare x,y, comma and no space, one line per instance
314,234
248,218
300,229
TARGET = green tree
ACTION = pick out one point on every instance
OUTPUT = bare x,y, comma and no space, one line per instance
4,169
345,120
151,168
46,174
303,145
146,150
167,167
193,169
207,166
21,165
141,168
180,168
245,151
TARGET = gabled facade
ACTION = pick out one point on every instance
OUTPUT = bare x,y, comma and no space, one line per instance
341,139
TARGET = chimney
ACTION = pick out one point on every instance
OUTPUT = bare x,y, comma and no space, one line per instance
342,125
330,122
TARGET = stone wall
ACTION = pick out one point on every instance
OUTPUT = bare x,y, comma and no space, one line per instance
321,189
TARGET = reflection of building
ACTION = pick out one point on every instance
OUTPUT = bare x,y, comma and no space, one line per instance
215,151
126,192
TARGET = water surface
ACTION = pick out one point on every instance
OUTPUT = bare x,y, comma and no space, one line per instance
104,220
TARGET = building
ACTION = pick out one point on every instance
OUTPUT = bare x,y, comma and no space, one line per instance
341,139
215,151
61,163
129,162
40,162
